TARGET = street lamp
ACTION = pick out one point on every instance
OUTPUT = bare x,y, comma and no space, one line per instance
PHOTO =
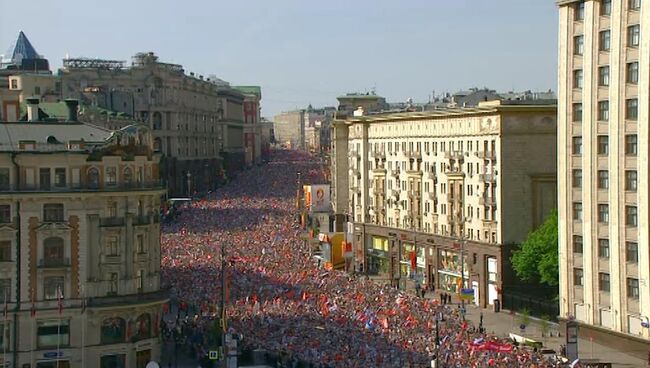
189,187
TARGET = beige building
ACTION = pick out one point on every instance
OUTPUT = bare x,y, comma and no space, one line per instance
45,87
603,109
422,188
79,219
197,122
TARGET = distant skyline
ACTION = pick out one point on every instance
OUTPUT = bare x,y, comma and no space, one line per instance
310,52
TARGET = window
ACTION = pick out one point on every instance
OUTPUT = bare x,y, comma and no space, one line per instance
632,73
603,282
113,278
139,280
5,289
53,251
5,251
577,211
4,179
111,176
604,40
44,178
53,212
633,35
577,178
112,246
603,213
577,244
577,78
49,331
14,83
603,145
93,178
632,288
577,145
578,45
603,248
634,4
631,180
578,277
37,90
140,248
53,287
606,7
603,76
59,177
5,214
128,176
631,145
113,331
631,216
631,109
603,179
112,209
603,110
631,252
577,112
579,11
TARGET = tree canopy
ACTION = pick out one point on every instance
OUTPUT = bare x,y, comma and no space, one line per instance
536,259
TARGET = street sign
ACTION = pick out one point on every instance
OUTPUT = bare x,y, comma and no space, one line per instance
213,355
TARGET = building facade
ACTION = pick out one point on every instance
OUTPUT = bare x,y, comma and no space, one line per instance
420,189
79,244
252,120
603,109
197,122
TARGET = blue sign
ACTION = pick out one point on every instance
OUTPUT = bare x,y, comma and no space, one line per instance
53,354
645,324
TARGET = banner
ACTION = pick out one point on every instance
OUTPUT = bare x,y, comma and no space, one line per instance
467,294
320,198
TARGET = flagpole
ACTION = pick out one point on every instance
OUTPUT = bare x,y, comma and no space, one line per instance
83,328
4,331
58,329
33,316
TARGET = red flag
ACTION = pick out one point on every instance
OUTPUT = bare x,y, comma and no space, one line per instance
384,323
413,260
60,303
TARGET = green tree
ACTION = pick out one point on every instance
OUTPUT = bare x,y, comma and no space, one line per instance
536,259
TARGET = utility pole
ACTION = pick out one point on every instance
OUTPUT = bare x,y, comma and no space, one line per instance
223,304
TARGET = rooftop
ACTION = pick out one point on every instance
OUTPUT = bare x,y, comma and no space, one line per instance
250,90
19,50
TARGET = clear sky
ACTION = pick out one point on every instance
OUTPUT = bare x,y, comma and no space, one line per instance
309,51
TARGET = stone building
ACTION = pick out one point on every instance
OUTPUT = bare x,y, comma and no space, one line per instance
252,120
306,129
603,139
420,189
79,243
197,122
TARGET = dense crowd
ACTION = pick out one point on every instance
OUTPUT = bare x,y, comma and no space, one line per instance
280,300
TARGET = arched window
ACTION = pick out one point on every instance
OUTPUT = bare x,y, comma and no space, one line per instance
53,252
142,327
113,330
93,178
157,120
128,176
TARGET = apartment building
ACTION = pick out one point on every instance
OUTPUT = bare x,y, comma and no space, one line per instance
197,122
421,189
79,243
603,111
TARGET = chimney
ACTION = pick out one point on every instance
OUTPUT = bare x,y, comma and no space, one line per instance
72,105
32,109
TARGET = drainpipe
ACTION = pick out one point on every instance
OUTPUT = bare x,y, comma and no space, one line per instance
18,261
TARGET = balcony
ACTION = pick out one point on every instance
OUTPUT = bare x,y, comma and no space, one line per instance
486,155
86,187
487,178
395,193
432,176
54,262
378,155
455,155
416,155
487,201
111,221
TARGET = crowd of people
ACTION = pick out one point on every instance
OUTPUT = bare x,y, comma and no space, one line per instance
280,300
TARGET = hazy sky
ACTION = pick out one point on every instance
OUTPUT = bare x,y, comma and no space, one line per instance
309,51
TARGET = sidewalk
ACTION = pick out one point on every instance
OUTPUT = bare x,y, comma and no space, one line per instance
505,322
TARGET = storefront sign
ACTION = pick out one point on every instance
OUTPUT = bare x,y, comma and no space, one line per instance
53,354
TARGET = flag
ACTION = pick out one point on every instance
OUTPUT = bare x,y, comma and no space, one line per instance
413,260
60,302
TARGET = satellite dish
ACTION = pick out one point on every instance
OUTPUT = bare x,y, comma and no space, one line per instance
152,364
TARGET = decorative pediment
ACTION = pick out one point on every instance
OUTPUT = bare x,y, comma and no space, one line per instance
53,228
7,229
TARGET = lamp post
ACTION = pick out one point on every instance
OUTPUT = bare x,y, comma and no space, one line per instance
189,184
